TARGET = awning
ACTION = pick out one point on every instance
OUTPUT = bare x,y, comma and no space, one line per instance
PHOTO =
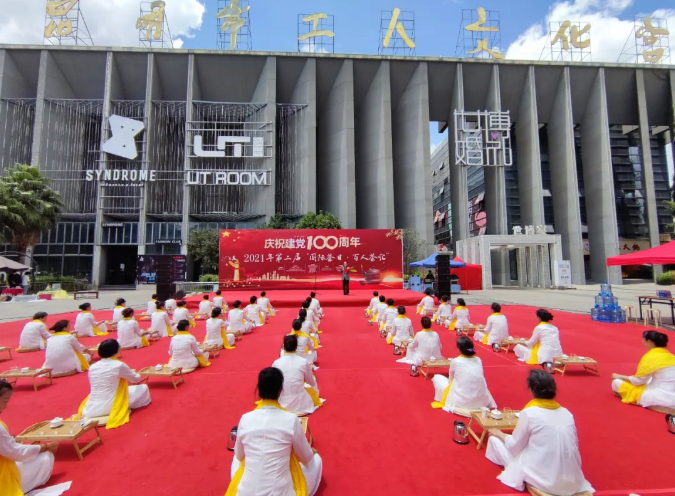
7,264
660,255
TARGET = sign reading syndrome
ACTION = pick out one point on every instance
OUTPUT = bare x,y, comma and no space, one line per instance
204,178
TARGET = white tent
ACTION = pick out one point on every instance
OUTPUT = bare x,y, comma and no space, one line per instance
7,264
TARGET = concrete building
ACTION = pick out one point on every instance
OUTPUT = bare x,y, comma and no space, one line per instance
232,138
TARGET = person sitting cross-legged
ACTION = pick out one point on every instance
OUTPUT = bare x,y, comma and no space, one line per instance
111,395
496,330
65,355
216,331
402,329
426,344
272,455
300,394
544,345
129,333
543,450
35,334
237,319
184,350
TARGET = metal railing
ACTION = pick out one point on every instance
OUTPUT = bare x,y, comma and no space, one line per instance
69,286
196,287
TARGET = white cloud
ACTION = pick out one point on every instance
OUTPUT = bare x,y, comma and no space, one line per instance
608,32
110,23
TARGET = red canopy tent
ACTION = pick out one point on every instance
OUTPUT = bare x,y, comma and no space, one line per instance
659,255
470,277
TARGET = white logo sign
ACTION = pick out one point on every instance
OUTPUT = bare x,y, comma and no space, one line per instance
483,138
122,143
233,178
221,146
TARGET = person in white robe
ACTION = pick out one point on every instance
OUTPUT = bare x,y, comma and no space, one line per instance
465,387
459,317
315,305
402,331
311,315
152,305
254,313
544,345
182,313
300,394
444,312
237,319
120,304
105,380
543,450
129,333
266,306
654,382
170,306
371,306
23,467
386,318
496,329
219,301
426,306
205,307
272,447
64,352
184,350
380,308
426,344
86,325
160,321
35,334
307,342
216,331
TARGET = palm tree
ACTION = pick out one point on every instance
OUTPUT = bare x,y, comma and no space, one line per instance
28,206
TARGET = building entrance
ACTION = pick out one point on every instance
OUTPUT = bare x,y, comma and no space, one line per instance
121,266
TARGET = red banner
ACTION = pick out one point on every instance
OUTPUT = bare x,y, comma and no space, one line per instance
303,258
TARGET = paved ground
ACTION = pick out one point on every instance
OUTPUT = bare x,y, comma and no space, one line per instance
578,300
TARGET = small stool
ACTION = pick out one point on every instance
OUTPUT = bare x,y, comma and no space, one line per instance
630,312
652,314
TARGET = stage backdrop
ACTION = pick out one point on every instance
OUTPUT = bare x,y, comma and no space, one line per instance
305,258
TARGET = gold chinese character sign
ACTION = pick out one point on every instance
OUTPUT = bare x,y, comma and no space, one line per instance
232,16
479,34
651,40
397,33
64,24
315,33
569,41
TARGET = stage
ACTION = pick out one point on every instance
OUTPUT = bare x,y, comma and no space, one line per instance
377,433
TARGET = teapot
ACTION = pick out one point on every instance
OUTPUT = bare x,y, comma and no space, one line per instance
232,439
460,433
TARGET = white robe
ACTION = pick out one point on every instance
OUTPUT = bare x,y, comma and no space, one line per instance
379,310
469,389
205,307
170,305
373,303
219,302
104,378
660,390
129,334
426,344
403,331
238,322
254,313
34,335
428,306
297,372
548,337
309,328
462,316
306,348
117,314
60,355
84,324
497,328
386,318
160,322
314,318
151,307
35,467
315,306
184,351
444,312
213,333
542,451
266,306
182,313
265,438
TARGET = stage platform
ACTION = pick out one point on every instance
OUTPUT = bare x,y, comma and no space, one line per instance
291,298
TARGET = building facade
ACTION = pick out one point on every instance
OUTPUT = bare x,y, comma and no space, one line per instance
230,139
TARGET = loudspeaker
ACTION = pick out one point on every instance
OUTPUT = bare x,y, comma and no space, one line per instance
444,288
165,291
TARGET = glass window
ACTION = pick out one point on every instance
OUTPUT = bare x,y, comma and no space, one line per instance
179,231
56,250
71,249
127,234
171,249
69,233
155,231
60,231
76,232
40,250
148,232
87,249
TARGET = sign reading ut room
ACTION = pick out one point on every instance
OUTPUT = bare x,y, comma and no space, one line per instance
123,144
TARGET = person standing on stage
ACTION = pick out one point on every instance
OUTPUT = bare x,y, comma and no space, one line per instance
345,277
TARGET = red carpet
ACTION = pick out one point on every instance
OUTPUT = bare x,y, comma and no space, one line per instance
377,433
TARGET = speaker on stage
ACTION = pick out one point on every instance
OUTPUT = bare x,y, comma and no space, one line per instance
443,274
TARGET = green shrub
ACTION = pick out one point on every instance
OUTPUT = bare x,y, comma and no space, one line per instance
208,278
666,279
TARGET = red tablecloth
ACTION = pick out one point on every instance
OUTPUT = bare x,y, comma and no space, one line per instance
13,291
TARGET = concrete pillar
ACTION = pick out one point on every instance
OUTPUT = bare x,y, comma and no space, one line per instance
672,111
522,267
374,155
599,184
495,194
459,190
529,156
336,173
412,157
192,95
647,166
266,92
305,92
147,155
544,267
564,181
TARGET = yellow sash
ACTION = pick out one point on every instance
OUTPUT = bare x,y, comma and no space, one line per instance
202,361
10,477
654,360
485,338
368,311
453,324
548,404
435,317
314,395
390,338
97,331
119,414
169,331
145,342
303,335
534,356
441,404
299,482
226,343
374,319
83,362
420,309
